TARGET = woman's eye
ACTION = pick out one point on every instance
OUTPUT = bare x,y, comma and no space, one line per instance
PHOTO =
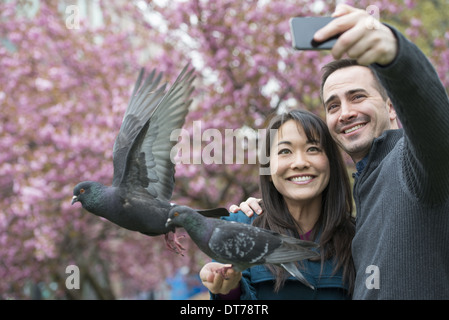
284,151
314,149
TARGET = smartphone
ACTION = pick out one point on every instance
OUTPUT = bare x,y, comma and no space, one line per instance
303,29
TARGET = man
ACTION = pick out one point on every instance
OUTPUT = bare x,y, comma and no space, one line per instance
401,190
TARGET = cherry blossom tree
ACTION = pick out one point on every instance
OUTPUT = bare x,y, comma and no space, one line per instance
64,85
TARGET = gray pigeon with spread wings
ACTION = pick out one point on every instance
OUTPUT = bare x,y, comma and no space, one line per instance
143,179
242,245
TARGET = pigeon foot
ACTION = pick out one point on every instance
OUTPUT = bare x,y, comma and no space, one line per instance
173,244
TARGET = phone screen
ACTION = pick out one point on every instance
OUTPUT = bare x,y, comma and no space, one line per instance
303,29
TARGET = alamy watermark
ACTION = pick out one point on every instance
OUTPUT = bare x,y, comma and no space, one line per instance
373,280
374,22
227,148
72,20
73,279
231,146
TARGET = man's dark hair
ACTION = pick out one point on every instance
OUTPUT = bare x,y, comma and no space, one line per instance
335,65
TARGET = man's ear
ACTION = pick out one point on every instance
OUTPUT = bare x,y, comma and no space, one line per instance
392,114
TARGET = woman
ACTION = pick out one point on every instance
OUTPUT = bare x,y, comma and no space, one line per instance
306,195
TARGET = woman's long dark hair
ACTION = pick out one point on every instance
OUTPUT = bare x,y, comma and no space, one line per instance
335,224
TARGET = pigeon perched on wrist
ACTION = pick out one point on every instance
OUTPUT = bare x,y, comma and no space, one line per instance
242,245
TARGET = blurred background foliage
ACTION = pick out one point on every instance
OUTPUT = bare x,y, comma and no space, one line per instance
67,71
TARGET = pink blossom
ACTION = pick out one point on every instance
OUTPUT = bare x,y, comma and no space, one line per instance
63,93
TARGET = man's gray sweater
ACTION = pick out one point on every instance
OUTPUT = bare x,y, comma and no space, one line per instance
401,246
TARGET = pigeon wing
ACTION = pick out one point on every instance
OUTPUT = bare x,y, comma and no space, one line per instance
249,245
149,162
291,250
158,145
242,244
144,99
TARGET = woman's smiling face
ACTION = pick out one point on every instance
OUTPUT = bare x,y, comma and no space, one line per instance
299,168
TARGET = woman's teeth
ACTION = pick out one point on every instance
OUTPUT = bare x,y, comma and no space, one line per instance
301,179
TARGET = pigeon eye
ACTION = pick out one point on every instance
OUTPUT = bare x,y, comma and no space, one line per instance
176,214
82,191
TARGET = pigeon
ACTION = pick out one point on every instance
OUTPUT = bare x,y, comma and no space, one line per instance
143,179
242,245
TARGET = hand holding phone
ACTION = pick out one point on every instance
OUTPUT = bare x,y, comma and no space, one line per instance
303,30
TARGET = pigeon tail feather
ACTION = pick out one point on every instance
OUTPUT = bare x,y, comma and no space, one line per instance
293,270
302,243
288,253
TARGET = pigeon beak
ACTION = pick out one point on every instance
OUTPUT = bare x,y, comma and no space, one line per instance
74,199
168,222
